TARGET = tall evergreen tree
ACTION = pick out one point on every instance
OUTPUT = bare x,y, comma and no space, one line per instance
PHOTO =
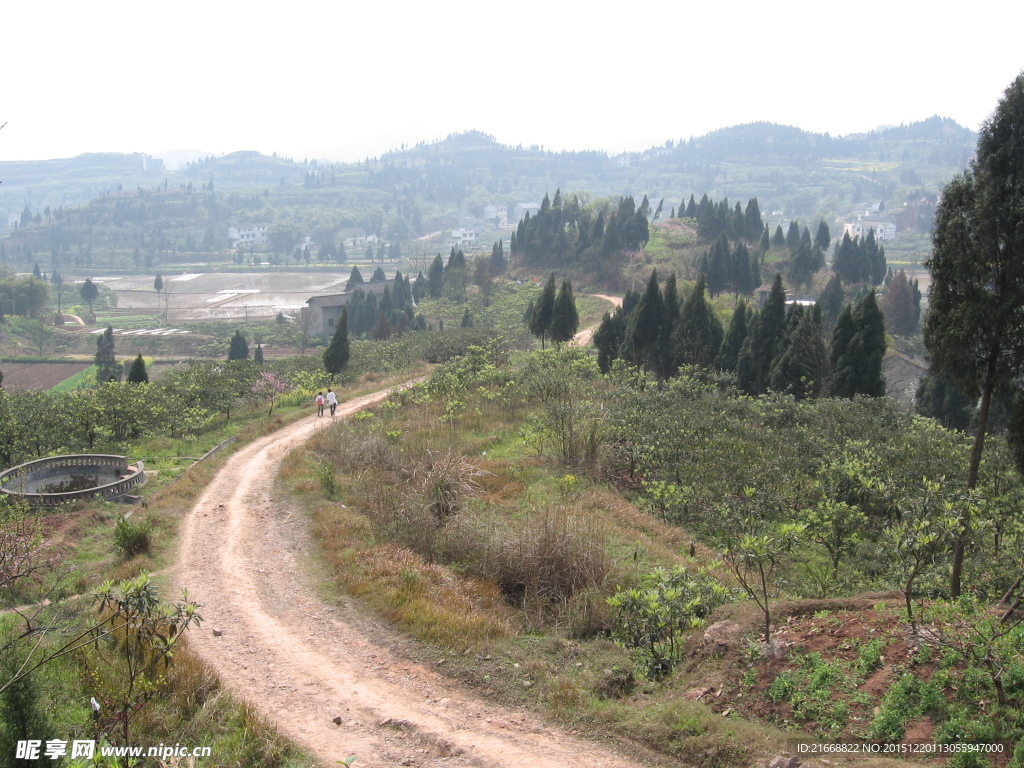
89,293
644,327
793,235
764,341
857,356
435,278
803,368
337,353
974,329
543,311
239,348
138,373
729,352
498,265
898,306
831,300
665,362
565,319
698,334
257,356
823,238
847,261
608,338
355,278
717,265
378,276
107,368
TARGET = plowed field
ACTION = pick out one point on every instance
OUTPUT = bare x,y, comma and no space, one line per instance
22,376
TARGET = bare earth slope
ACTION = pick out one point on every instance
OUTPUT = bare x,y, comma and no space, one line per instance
303,662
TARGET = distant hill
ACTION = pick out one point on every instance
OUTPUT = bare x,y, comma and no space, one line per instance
132,208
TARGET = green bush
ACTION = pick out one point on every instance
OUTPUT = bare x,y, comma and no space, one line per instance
132,538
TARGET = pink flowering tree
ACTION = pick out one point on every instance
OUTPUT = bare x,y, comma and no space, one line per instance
268,387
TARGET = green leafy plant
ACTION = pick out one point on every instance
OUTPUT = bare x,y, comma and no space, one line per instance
651,618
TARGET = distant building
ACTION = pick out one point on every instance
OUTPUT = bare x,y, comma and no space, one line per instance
872,216
352,237
464,237
323,312
498,214
522,209
885,229
248,236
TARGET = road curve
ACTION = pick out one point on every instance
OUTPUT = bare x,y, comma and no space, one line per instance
303,663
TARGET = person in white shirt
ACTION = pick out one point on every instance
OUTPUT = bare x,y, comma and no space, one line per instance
332,400
319,403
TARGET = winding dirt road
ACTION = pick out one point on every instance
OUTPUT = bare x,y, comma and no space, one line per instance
303,662
583,338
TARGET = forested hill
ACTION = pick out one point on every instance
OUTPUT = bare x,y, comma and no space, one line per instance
798,173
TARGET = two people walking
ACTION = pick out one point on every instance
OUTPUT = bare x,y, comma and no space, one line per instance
331,400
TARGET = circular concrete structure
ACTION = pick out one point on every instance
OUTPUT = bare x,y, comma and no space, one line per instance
56,480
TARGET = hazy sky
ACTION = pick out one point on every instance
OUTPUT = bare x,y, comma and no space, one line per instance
345,79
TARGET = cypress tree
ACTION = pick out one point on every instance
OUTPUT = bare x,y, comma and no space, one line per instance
823,238
378,276
418,288
467,319
766,338
831,301
257,356
137,374
664,357
355,278
435,278
847,263
239,349
729,353
498,265
543,311
793,235
858,349
753,224
872,261
803,367
898,306
565,319
608,338
644,327
779,238
107,368
801,267
337,353
717,265
698,333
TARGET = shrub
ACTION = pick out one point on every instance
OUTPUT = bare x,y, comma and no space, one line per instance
132,538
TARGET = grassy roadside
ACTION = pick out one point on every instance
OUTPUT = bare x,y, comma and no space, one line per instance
190,706
440,515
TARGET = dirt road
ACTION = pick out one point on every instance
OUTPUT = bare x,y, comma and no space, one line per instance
583,338
303,662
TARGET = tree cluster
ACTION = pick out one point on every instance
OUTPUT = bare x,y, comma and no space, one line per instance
563,231
859,261
775,348
554,315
